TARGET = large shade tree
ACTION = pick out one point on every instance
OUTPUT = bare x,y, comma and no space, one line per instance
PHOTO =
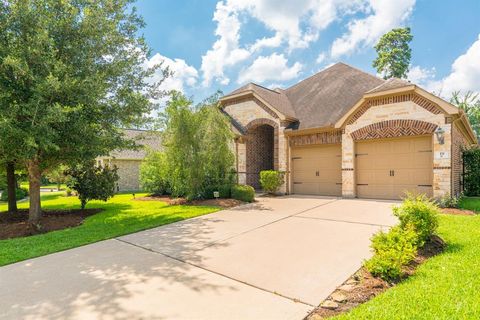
71,74
394,53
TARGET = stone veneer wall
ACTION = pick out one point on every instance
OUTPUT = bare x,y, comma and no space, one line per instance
403,110
458,143
129,174
245,112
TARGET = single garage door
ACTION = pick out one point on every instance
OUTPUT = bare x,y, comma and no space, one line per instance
317,170
386,169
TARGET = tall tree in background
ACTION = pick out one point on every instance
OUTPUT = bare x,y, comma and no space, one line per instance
394,53
470,103
71,74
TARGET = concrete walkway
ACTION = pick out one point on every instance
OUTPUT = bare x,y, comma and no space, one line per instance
274,259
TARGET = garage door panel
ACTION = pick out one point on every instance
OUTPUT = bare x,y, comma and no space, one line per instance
394,166
317,170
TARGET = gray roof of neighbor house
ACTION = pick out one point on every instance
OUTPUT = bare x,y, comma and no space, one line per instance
322,99
145,139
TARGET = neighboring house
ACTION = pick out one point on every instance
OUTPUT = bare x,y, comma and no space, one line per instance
128,161
344,132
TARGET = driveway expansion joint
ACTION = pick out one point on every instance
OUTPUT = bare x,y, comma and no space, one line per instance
215,272
344,221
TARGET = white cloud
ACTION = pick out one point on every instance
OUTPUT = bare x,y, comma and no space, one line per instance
465,74
384,15
321,57
183,74
225,51
266,68
420,76
295,23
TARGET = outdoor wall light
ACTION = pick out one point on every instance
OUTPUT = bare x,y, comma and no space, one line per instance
440,134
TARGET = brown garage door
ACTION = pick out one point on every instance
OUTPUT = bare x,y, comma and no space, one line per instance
317,170
386,169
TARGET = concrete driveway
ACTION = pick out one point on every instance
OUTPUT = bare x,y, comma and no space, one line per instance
274,259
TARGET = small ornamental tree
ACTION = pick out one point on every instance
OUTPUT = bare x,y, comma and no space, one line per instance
93,182
154,173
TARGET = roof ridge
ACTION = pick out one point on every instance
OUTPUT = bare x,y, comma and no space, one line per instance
255,84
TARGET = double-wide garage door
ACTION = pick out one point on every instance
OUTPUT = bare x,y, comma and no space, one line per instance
317,170
386,169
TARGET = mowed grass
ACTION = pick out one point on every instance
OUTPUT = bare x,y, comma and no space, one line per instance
121,215
446,286
472,203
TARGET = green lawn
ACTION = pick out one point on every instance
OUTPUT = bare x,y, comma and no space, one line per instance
446,286
472,203
122,215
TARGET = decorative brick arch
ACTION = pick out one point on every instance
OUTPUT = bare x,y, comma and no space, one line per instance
414,97
394,128
261,148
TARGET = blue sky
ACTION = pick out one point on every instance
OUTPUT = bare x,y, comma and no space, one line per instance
214,45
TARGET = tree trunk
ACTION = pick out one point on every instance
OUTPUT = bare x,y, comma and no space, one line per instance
11,187
34,176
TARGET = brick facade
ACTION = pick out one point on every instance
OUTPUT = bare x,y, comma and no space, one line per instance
328,137
394,128
260,147
129,174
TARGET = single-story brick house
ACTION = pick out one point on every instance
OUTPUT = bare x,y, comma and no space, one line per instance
344,132
128,161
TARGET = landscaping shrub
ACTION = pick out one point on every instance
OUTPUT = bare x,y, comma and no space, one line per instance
471,178
20,193
448,201
271,180
223,190
419,212
243,193
393,250
154,173
93,182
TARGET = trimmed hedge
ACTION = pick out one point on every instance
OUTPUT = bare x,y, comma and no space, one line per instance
223,190
471,179
243,193
271,180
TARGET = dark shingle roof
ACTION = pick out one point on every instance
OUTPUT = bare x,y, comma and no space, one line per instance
145,139
276,98
321,99
393,83
325,97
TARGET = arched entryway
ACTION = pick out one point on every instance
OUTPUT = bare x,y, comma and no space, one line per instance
262,146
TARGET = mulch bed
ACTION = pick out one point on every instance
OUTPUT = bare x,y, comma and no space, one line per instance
456,211
224,203
362,286
16,225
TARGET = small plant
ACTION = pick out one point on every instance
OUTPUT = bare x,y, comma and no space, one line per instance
448,201
419,212
393,250
243,193
93,182
271,180
68,191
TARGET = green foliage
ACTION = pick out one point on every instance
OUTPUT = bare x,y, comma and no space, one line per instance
71,74
470,204
448,201
271,180
197,146
394,53
470,103
93,182
420,213
243,193
20,193
58,175
154,173
393,250
471,179
224,191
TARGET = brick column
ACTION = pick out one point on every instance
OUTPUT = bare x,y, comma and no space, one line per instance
442,162
241,161
348,166
282,155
